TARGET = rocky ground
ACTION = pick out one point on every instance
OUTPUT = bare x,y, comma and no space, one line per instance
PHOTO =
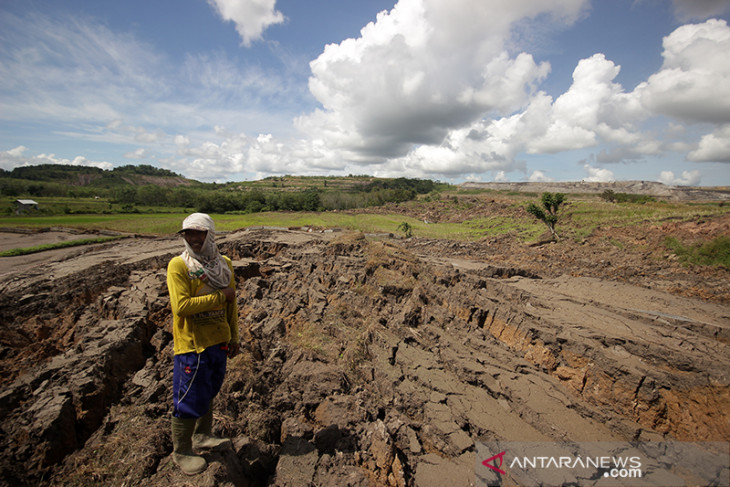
367,360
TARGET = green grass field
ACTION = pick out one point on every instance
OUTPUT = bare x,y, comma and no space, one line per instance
578,219
67,243
51,206
167,223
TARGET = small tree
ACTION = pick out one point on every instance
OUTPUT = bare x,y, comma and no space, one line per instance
609,195
407,229
548,214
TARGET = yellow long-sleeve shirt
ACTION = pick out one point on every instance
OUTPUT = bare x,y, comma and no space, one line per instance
201,315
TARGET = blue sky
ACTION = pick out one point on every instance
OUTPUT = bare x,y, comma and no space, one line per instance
465,90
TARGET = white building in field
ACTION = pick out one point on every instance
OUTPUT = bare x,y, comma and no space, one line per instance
23,206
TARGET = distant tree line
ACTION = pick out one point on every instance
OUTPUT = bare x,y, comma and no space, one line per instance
613,197
47,172
256,201
420,186
87,182
56,180
386,191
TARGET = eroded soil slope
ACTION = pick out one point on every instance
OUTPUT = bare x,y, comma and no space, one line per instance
366,361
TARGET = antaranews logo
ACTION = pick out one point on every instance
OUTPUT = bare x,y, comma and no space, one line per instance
615,467
496,468
675,464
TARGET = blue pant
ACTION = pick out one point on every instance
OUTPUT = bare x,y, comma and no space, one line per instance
196,380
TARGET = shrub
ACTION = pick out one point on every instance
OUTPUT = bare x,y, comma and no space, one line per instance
406,228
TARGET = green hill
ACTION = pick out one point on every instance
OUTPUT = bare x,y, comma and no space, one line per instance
95,177
128,188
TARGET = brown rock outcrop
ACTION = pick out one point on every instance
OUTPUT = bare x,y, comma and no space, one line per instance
365,363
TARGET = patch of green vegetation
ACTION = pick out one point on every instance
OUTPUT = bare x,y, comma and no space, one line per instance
63,205
500,225
583,217
715,252
613,197
364,222
152,223
59,245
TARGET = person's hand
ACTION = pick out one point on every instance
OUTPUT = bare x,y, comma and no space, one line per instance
229,293
233,349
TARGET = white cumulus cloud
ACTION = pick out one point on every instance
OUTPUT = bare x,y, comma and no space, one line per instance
688,178
422,70
17,157
714,147
251,17
597,174
594,108
538,176
694,82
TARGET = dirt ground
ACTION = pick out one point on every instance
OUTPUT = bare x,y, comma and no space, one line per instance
20,239
367,360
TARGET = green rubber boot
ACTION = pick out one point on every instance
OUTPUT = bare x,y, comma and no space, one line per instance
182,447
203,434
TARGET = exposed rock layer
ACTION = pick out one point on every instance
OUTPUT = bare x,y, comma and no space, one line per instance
366,362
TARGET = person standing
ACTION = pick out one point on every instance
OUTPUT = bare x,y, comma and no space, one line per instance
202,291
